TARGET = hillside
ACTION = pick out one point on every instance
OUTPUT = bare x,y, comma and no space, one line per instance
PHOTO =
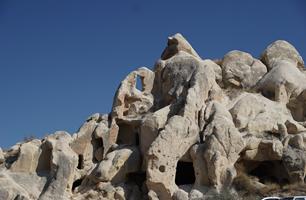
190,129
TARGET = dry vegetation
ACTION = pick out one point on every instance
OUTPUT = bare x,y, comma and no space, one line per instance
232,195
250,186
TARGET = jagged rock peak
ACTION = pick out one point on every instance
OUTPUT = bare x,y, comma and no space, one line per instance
193,129
177,43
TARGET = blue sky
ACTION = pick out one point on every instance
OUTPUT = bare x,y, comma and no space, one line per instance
61,60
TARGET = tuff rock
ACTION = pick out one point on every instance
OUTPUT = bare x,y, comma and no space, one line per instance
191,129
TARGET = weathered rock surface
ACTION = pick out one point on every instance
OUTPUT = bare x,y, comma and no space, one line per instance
281,50
1,156
241,70
224,144
190,129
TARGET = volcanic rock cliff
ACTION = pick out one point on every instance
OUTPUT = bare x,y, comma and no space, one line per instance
193,126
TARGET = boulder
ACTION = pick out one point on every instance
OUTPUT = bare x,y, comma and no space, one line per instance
263,116
241,70
262,149
295,163
297,141
28,157
180,195
281,50
117,165
284,81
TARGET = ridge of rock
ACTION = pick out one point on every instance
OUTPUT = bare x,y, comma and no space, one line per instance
194,126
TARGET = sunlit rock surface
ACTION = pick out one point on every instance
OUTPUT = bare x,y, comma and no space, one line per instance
192,126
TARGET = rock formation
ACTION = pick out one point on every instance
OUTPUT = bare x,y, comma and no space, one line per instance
193,126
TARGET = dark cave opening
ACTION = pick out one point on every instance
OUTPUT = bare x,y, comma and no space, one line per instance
76,184
270,172
137,139
97,143
127,134
137,177
81,162
184,173
10,160
44,160
268,94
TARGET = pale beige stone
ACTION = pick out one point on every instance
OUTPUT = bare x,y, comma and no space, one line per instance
117,164
283,74
262,149
64,163
241,70
150,128
180,195
262,116
1,156
107,133
177,43
224,144
281,50
10,190
28,157
181,133
129,101
200,167
85,143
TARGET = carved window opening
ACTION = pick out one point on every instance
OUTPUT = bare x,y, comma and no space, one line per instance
139,85
185,174
128,134
81,162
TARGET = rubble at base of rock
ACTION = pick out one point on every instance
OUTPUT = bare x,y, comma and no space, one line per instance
193,127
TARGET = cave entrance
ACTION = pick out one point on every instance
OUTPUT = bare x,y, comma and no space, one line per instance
270,172
184,173
81,162
76,184
128,134
44,160
137,177
97,149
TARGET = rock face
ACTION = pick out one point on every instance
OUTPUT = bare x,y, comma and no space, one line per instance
191,127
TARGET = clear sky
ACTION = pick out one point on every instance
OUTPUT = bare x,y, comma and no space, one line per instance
62,60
